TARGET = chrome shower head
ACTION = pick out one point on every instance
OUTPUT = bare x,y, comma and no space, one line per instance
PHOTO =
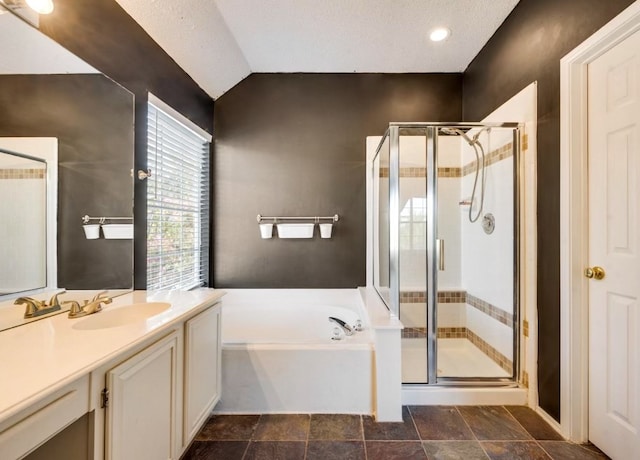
457,132
449,131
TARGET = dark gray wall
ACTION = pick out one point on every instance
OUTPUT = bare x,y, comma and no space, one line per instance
294,144
526,48
105,36
92,117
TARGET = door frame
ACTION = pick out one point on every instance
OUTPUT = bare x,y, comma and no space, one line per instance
574,228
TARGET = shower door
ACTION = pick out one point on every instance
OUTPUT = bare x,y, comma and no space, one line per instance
415,229
452,282
446,248
475,262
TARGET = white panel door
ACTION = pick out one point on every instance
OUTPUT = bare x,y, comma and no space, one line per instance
614,242
201,370
142,411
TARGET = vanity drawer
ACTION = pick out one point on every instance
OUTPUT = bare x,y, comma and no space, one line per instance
27,430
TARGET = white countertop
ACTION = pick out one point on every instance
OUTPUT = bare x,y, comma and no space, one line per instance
10,316
40,357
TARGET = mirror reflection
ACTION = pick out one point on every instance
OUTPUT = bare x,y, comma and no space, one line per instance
23,213
47,92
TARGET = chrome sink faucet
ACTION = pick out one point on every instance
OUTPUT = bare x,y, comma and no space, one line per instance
89,306
35,308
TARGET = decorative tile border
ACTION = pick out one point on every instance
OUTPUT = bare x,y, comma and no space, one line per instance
443,333
421,173
443,296
499,314
413,297
29,173
452,296
450,172
452,332
492,157
496,313
497,357
414,333
413,172
463,333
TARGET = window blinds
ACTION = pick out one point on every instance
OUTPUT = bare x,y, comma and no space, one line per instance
177,204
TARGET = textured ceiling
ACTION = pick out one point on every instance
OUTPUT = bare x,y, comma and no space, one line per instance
196,36
220,42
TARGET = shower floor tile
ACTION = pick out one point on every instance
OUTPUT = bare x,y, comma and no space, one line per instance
456,358
461,358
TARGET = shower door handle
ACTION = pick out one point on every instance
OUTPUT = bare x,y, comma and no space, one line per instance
440,254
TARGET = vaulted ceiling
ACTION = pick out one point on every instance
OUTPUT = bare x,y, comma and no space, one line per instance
220,42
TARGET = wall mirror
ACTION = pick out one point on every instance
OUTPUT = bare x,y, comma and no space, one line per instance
23,222
47,92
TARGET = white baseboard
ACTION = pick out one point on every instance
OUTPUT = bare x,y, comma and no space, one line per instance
449,396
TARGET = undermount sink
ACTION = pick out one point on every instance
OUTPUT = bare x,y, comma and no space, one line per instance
120,316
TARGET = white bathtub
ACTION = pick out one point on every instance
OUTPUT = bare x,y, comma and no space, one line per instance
278,355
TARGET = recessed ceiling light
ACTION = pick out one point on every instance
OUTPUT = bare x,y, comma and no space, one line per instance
41,6
439,34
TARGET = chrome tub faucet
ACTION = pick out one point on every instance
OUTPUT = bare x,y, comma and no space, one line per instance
348,330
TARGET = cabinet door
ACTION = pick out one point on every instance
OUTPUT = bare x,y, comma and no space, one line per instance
142,411
202,369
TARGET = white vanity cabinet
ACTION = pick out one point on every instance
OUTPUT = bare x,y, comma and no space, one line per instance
142,413
202,379
24,432
139,386
151,401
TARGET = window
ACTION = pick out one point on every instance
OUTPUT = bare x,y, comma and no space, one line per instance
413,224
177,200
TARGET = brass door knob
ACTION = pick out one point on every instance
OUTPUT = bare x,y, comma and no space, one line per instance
595,273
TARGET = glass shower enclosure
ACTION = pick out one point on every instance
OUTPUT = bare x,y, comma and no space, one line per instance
446,248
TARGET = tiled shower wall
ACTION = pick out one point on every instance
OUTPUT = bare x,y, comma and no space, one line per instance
476,288
487,269
461,316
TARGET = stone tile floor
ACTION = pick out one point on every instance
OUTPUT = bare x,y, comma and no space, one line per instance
427,432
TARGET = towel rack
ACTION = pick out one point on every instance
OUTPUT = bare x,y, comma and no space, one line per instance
86,219
333,218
